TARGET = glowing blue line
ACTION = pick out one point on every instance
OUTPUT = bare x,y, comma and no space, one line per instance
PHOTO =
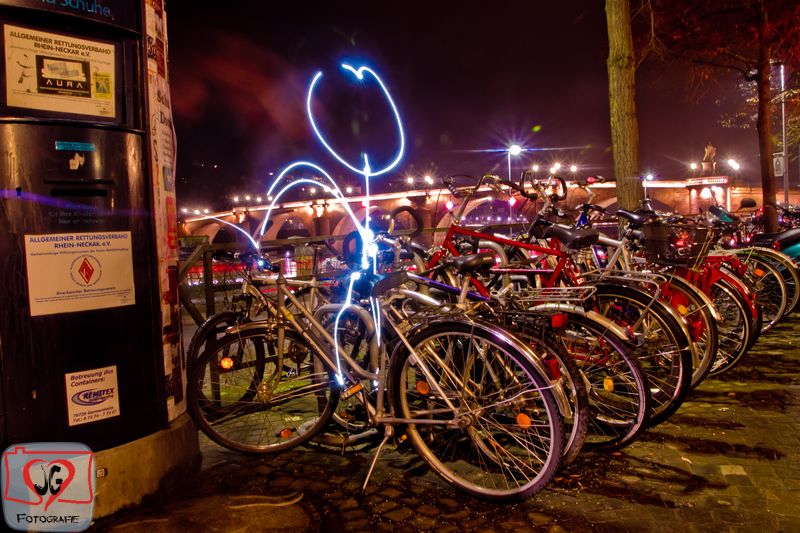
337,192
353,277
237,228
359,74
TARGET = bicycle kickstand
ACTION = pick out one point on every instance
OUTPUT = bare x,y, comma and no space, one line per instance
386,436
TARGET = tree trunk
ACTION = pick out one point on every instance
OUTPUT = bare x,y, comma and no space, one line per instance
622,103
763,126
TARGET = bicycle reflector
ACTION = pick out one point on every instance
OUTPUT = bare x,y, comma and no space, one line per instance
524,421
226,363
558,320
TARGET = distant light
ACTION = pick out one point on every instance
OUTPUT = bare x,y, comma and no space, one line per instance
449,205
236,199
326,189
734,164
515,149
429,180
557,166
693,166
536,168
573,168
258,199
205,211
269,198
247,198
215,166
649,177
184,210
410,180
196,211
553,169
271,173
512,201
348,190
313,190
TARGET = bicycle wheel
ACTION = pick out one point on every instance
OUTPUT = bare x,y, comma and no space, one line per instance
577,413
243,398
735,326
506,442
784,265
695,309
617,388
663,344
771,292
209,331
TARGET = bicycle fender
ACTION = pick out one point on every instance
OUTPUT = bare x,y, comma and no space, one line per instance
617,330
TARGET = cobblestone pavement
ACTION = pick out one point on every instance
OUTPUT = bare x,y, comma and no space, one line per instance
728,460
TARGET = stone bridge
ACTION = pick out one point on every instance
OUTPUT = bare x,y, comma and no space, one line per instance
326,216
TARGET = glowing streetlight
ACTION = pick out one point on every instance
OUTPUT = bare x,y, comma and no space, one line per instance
734,164
573,168
184,210
410,180
348,190
553,169
429,180
514,149
258,199
247,198
557,166
535,168
236,199
196,211
649,177
313,190
205,211
693,166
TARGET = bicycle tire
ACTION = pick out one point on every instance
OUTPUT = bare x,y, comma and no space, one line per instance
693,306
509,442
617,387
209,330
664,353
276,405
786,267
734,328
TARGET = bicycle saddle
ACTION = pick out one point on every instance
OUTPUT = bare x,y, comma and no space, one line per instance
465,263
574,239
636,219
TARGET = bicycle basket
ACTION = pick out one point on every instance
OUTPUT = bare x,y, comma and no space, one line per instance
676,244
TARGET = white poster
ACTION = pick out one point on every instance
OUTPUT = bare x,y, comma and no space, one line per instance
92,395
53,72
70,272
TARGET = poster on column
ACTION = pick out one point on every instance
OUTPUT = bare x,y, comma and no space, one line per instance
92,395
70,272
53,72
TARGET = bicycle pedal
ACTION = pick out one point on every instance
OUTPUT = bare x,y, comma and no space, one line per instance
352,391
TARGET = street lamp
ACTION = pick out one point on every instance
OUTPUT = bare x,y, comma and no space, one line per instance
410,180
514,150
734,164
429,180
536,168
693,166
573,168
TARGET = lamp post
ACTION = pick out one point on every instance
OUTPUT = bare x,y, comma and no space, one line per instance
783,141
514,150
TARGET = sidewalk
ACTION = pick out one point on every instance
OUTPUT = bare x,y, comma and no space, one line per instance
728,460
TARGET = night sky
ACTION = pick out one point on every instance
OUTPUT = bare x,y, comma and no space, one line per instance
467,76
